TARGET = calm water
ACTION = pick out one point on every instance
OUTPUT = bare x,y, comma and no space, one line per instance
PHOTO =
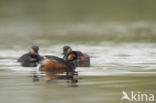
119,36
115,67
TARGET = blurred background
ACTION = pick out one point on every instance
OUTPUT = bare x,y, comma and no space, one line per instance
118,35
25,22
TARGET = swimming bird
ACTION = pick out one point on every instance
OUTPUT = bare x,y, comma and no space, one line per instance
83,60
30,59
54,67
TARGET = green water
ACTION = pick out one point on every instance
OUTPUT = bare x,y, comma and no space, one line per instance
118,35
19,88
115,67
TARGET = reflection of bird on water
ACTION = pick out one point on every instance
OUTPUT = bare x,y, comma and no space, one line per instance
54,66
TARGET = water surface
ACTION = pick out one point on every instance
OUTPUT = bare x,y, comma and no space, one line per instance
114,67
119,36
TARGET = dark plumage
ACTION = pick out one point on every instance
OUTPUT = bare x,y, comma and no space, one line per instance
52,66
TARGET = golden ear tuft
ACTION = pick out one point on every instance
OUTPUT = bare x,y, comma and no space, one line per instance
70,57
69,50
31,52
